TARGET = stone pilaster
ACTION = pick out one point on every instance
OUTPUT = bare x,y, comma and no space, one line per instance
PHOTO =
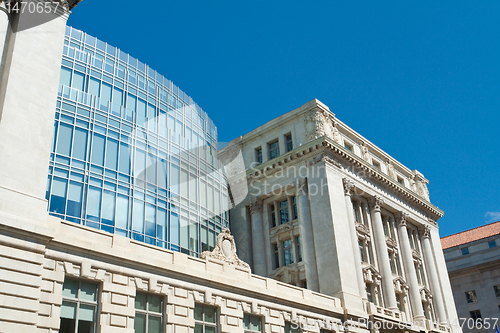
411,274
382,254
258,249
348,189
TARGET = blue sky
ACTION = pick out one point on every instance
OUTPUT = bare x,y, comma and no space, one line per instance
421,80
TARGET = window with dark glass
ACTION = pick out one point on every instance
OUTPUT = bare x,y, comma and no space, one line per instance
291,328
252,323
376,165
347,146
274,149
276,256
273,215
497,290
492,243
369,292
299,249
205,319
258,152
148,313
288,252
284,217
465,250
294,204
362,250
470,296
79,307
289,143
401,181
399,301
476,315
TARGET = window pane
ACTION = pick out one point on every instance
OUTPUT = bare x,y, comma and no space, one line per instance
209,329
140,164
150,220
86,312
154,324
64,139
124,158
88,291
65,78
78,81
105,93
161,224
74,199
108,207
138,216
94,86
111,154
209,314
58,196
68,310
121,211
140,301
80,144
97,150
70,288
198,328
93,204
154,303
198,312
140,323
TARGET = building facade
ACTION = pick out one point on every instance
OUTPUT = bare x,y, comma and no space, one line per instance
331,212
93,247
473,261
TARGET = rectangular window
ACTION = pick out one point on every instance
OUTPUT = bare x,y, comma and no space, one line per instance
205,319
252,323
258,152
274,149
362,250
347,146
492,243
291,328
288,252
497,290
284,217
471,296
376,165
476,315
355,208
273,215
294,212
148,313
299,249
276,256
401,181
289,143
79,307
369,294
465,251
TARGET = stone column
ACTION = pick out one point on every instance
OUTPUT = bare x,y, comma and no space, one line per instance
258,250
348,188
425,233
409,267
4,29
382,254
306,236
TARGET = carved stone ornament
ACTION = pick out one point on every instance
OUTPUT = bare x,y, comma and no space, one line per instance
371,275
400,285
325,158
390,169
425,231
255,206
335,133
302,187
401,218
225,250
314,122
363,230
364,152
416,254
376,203
348,186
391,243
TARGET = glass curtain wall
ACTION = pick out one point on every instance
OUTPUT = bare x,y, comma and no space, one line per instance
133,154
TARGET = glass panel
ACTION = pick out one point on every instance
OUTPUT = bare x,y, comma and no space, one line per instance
141,113
154,324
140,323
94,86
108,207
68,310
124,166
174,228
140,301
111,154
161,224
121,211
255,323
93,204
198,312
198,328
80,144
138,216
209,314
74,199
154,303
150,220
78,81
209,329
97,150
105,93
151,168
58,197
88,291
246,322
67,325
70,288
174,178
162,173
64,139
65,78
86,312
140,164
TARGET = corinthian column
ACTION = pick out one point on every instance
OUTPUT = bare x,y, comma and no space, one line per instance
425,233
258,250
348,188
306,236
382,254
411,274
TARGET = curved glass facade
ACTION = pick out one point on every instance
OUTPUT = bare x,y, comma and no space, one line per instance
133,154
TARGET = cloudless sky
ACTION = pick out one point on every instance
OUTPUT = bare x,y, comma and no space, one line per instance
421,80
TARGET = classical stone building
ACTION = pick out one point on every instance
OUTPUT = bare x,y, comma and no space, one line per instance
473,261
329,211
93,242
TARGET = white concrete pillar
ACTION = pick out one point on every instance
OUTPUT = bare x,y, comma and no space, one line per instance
430,264
348,188
306,236
409,267
258,249
382,254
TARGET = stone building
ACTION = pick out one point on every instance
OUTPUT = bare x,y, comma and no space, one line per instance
73,259
473,261
329,211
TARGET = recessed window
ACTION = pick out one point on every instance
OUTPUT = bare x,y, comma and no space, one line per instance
205,319
79,307
401,181
376,165
465,250
291,328
347,146
299,249
369,292
497,290
284,217
148,313
258,153
288,252
294,212
274,149
492,243
273,215
276,256
475,315
252,323
471,296
289,143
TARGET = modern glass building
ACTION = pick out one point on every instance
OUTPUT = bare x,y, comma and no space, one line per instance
133,154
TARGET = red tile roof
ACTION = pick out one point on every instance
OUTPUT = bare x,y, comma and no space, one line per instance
471,235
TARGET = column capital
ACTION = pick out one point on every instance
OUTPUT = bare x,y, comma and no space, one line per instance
425,231
375,203
255,206
302,186
401,218
348,186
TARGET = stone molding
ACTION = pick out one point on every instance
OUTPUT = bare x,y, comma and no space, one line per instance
363,230
225,250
